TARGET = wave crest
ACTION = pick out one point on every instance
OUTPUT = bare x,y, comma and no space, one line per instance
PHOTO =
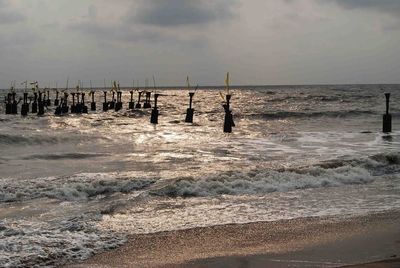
79,187
256,182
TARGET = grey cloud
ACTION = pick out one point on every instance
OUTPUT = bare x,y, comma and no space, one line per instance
118,33
18,40
10,17
92,11
391,7
51,25
88,25
171,13
124,31
93,28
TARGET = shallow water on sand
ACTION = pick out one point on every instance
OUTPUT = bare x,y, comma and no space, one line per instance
72,186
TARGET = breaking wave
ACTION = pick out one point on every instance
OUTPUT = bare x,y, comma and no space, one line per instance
78,187
329,174
43,244
76,235
256,182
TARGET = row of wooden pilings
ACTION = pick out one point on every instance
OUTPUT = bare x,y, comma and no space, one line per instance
40,101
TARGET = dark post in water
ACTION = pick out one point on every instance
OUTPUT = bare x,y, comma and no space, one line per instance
228,122
58,110
56,101
44,98
84,107
73,106
48,101
40,105
34,103
64,102
14,105
387,118
78,107
105,103
93,103
118,104
111,104
25,105
154,112
138,104
190,110
131,103
8,104
147,103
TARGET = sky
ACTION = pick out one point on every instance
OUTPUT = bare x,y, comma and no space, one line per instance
264,42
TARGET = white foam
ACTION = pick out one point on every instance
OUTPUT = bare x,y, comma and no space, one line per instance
185,213
255,182
261,182
62,231
30,243
78,187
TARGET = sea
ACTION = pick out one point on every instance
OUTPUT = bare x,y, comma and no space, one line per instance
75,185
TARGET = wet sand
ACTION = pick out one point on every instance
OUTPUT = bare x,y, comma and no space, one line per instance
309,242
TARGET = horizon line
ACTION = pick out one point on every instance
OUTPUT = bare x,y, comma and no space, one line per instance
231,86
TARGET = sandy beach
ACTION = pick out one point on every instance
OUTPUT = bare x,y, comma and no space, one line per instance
309,242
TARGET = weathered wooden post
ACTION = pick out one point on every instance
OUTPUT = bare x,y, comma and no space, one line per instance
387,117
105,103
154,112
190,110
147,102
131,103
111,104
228,121
73,106
35,103
83,105
48,101
14,104
56,101
118,104
8,104
65,107
78,107
138,104
40,105
25,105
93,103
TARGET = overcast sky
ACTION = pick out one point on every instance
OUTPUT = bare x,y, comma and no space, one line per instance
258,41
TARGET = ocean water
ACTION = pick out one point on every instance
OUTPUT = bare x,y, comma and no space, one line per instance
76,185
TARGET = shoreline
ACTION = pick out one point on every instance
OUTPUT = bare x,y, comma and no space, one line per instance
304,242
